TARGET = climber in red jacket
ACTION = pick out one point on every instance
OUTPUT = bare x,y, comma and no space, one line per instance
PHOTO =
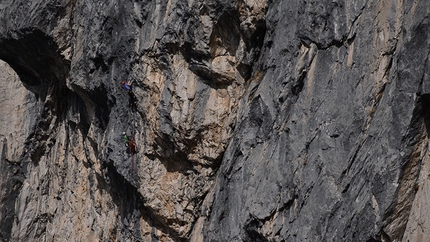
132,146
129,142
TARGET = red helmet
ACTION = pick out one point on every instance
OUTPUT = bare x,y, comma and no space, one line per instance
123,82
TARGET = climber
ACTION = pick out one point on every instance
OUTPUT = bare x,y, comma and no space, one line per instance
126,138
128,87
132,146
129,143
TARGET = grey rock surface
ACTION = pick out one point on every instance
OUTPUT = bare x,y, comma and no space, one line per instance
331,140
254,120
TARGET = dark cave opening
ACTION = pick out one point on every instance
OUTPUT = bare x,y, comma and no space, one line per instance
34,57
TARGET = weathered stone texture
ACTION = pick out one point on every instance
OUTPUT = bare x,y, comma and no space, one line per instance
255,120
17,108
330,141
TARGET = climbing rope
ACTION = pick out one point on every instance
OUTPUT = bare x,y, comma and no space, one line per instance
133,106
132,145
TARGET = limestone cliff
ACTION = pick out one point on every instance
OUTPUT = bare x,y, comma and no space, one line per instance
255,120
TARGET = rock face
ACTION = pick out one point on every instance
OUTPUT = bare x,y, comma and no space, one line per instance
254,120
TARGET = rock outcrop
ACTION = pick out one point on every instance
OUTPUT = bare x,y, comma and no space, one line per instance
254,120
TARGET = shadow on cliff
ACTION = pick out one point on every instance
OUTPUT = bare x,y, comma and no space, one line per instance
11,179
130,201
34,57
43,70
425,102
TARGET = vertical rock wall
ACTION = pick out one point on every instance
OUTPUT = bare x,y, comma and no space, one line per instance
17,108
255,120
332,138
